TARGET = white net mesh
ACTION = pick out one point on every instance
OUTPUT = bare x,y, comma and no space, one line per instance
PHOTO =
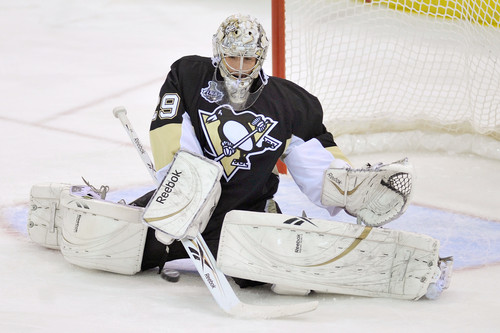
429,73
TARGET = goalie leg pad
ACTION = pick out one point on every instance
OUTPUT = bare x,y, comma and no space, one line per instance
91,233
185,200
327,256
103,235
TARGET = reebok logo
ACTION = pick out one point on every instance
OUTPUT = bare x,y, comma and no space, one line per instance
298,221
168,186
209,280
200,256
334,179
139,146
80,204
77,223
298,244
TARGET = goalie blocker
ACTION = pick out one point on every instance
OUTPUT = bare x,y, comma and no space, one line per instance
301,254
183,203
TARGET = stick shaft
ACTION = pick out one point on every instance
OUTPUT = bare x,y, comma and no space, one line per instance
121,113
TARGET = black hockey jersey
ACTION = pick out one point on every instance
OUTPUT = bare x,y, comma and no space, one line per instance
247,143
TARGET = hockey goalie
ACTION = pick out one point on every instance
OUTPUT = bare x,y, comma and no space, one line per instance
293,254
218,130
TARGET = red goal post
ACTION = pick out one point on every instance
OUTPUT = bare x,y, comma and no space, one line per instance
278,48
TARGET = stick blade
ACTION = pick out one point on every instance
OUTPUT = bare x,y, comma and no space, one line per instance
249,311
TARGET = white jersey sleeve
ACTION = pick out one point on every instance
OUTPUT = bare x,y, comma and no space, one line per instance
307,162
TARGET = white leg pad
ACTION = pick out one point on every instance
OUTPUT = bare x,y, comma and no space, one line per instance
44,218
90,233
327,256
102,235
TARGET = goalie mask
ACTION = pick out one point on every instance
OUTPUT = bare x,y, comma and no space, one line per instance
240,47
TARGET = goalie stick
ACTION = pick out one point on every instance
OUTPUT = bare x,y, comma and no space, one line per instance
205,262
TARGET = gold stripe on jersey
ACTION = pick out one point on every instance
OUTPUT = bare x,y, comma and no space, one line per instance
165,142
337,153
287,143
334,150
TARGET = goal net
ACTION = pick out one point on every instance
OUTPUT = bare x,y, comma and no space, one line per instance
399,74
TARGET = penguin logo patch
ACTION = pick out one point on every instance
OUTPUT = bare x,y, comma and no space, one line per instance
234,137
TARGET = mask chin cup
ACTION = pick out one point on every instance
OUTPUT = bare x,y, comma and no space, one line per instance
236,92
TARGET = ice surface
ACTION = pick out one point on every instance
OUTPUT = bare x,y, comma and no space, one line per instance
66,64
